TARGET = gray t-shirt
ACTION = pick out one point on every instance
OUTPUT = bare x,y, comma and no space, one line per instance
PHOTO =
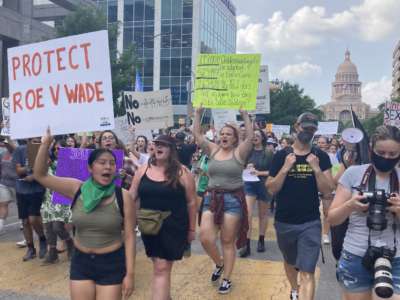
356,240
8,173
22,186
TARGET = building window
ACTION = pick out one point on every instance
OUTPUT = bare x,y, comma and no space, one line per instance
149,10
139,10
112,13
128,12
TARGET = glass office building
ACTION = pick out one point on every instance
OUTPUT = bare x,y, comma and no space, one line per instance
168,36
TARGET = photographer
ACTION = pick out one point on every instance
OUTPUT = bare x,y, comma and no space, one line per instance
370,245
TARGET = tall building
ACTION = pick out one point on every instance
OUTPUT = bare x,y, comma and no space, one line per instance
396,72
168,36
346,94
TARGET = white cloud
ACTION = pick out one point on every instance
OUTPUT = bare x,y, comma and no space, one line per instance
298,71
372,20
376,92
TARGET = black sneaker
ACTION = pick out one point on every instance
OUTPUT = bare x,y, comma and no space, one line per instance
42,249
294,295
217,273
261,246
225,287
245,252
30,254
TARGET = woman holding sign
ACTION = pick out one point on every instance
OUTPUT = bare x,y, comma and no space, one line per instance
224,205
102,266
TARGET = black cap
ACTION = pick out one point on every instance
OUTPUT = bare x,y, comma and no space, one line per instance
180,136
165,139
308,119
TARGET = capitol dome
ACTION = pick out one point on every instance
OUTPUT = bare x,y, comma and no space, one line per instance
347,71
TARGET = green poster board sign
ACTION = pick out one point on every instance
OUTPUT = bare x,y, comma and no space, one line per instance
227,81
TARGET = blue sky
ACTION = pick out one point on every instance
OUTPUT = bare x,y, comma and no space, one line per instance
304,41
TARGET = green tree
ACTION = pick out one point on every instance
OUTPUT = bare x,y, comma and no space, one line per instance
288,102
123,65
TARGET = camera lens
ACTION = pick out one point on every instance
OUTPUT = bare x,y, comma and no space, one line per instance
376,219
383,282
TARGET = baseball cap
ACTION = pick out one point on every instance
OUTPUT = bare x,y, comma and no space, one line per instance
180,136
165,139
271,141
308,119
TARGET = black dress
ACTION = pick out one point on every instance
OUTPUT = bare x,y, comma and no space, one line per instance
170,242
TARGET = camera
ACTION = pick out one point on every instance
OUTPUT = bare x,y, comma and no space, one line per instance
379,261
378,202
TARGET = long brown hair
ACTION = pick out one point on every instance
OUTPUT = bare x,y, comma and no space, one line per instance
173,171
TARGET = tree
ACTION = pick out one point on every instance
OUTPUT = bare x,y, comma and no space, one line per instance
288,102
123,65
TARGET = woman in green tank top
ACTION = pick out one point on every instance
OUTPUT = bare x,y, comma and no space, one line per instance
224,206
103,261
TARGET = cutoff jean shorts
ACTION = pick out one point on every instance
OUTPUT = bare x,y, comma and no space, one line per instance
231,204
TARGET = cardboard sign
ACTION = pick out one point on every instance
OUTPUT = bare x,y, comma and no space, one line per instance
73,162
32,150
62,83
222,117
280,130
391,114
122,131
227,81
5,110
149,110
263,99
327,128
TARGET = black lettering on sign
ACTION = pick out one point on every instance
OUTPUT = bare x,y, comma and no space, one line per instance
130,103
132,119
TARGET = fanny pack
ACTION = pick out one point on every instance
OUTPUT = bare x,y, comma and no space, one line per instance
150,221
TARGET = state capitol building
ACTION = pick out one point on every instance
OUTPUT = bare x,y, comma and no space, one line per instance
346,94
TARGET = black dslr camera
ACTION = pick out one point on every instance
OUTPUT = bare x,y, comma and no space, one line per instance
378,202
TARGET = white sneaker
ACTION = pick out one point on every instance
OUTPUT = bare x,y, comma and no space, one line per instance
325,239
21,244
294,295
138,234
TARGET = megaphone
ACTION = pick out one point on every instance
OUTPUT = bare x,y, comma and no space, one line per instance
352,135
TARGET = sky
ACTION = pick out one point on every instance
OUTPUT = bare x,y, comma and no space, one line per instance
304,41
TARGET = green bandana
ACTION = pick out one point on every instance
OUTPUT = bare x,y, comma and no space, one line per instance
93,193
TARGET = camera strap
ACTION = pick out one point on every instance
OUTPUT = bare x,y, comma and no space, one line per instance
369,179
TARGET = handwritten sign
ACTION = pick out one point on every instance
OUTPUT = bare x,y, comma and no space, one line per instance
263,99
149,110
125,135
73,162
228,81
280,130
62,83
327,128
222,117
5,110
392,114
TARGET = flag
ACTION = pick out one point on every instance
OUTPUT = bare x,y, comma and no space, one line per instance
363,146
138,83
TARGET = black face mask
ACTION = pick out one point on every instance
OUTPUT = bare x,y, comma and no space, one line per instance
383,164
305,137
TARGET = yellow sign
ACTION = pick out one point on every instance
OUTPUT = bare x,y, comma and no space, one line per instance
227,81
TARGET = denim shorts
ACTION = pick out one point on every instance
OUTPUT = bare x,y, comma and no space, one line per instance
103,269
354,278
257,189
231,204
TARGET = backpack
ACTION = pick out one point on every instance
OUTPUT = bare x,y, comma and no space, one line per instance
118,194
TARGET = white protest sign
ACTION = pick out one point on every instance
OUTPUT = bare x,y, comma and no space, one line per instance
263,99
5,109
392,114
121,129
223,116
327,128
149,110
280,130
62,83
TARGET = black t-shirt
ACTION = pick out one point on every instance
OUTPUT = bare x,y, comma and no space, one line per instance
261,159
298,202
185,153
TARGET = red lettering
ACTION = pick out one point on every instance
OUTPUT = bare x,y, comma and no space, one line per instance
82,95
71,94
48,54
25,62
90,92
17,101
55,95
71,64
30,94
85,49
60,59
39,96
99,91
16,63
36,61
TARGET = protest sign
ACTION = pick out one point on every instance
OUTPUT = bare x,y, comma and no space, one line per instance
32,150
62,83
223,116
227,81
263,100
125,135
327,128
280,130
391,114
5,111
149,110
73,162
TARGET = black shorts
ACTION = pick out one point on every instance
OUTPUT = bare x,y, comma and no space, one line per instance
29,205
103,269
